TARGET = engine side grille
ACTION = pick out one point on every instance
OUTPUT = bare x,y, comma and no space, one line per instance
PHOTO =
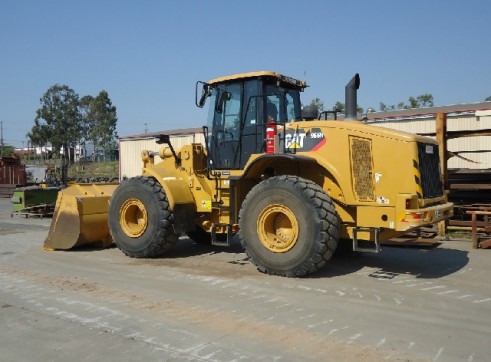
362,168
429,170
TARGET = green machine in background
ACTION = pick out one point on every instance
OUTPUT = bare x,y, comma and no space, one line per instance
34,200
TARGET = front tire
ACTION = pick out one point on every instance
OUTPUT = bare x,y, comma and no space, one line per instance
288,226
140,220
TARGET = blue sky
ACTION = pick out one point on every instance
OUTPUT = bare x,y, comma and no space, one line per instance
148,54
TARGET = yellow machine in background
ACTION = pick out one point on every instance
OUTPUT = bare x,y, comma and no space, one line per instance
293,186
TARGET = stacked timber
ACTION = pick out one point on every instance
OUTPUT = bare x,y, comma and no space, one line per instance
470,190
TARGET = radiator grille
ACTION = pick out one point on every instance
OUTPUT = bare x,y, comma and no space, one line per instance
362,168
429,170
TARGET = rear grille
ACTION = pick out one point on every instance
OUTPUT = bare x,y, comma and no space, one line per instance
429,171
362,168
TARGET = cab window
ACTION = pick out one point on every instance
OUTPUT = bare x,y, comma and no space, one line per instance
227,121
283,105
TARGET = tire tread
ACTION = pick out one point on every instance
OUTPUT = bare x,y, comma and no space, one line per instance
165,238
327,238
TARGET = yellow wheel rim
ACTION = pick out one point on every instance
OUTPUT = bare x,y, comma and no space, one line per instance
277,228
133,218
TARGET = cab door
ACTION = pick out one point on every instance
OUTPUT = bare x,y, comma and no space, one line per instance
225,137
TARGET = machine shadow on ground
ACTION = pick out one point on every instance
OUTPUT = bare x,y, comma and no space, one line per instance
420,262
185,247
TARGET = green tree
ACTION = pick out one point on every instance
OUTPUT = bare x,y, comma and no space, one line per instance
100,120
58,121
383,107
7,150
39,136
413,103
340,107
85,105
421,101
316,102
425,100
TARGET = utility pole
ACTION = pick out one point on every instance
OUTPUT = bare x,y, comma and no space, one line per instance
146,130
1,138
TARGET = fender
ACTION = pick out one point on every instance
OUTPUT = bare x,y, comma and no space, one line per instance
257,164
293,164
175,186
266,160
181,200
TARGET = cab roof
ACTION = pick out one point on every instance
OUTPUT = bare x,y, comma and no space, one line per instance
264,73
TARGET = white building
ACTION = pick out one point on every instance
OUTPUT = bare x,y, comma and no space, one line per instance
130,148
468,130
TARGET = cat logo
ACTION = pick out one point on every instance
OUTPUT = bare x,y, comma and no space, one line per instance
304,141
294,145
295,140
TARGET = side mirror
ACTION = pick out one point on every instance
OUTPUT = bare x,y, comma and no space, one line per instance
205,93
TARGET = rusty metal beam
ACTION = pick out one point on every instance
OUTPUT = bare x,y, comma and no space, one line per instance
470,186
485,244
475,243
474,231
462,133
407,113
468,133
441,136
466,224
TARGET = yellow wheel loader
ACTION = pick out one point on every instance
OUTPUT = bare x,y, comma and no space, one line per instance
293,184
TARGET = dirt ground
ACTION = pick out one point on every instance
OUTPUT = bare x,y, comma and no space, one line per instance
203,303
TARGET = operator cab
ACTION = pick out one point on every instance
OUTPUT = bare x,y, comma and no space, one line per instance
240,106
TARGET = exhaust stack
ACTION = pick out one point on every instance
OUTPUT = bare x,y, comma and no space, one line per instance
350,98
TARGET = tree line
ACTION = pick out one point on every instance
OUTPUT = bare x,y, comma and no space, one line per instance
65,120
421,101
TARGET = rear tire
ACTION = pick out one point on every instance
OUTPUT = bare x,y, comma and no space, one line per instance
140,220
288,226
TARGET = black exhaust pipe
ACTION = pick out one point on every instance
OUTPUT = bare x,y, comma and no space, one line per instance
351,104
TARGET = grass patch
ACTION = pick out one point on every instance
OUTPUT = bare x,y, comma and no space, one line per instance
459,234
94,170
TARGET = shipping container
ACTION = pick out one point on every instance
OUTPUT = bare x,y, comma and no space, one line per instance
12,172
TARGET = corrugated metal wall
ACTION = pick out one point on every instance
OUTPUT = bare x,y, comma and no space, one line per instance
476,149
418,126
130,163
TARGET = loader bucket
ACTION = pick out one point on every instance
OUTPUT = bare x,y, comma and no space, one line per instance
80,217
